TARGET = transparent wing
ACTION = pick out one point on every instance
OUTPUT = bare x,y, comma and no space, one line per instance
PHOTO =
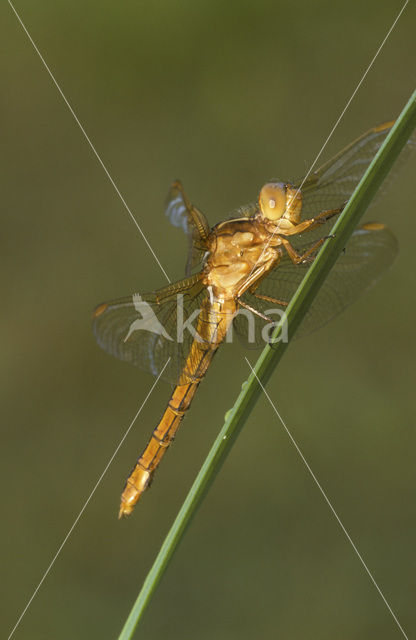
370,251
245,211
330,186
185,216
143,329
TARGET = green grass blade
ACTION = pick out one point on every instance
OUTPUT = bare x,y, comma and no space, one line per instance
235,418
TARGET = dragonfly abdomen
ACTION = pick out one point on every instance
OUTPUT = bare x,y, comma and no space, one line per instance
142,474
213,323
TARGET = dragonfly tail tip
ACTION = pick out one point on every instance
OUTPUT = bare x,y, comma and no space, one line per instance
122,512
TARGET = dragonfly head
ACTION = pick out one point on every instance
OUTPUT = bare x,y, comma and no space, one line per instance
278,200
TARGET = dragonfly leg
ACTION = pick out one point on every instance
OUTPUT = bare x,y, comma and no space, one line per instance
312,223
261,296
255,311
304,257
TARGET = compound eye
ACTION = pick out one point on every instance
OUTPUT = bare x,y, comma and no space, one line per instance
272,200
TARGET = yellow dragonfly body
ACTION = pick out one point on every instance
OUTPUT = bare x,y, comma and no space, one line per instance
250,267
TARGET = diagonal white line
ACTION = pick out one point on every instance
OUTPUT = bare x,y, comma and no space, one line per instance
336,124
85,504
328,502
89,141
353,94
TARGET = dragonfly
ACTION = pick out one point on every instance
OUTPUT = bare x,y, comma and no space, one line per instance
236,273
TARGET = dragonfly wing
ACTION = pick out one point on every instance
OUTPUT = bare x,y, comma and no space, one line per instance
145,329
245,211
184,215
370,251
331,185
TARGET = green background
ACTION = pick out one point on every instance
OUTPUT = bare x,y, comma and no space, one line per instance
223,96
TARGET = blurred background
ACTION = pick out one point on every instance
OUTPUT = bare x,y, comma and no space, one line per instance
223,96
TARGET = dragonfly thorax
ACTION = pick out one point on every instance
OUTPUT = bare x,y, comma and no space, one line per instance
237,248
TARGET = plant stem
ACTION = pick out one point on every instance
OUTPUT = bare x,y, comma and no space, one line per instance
298,306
